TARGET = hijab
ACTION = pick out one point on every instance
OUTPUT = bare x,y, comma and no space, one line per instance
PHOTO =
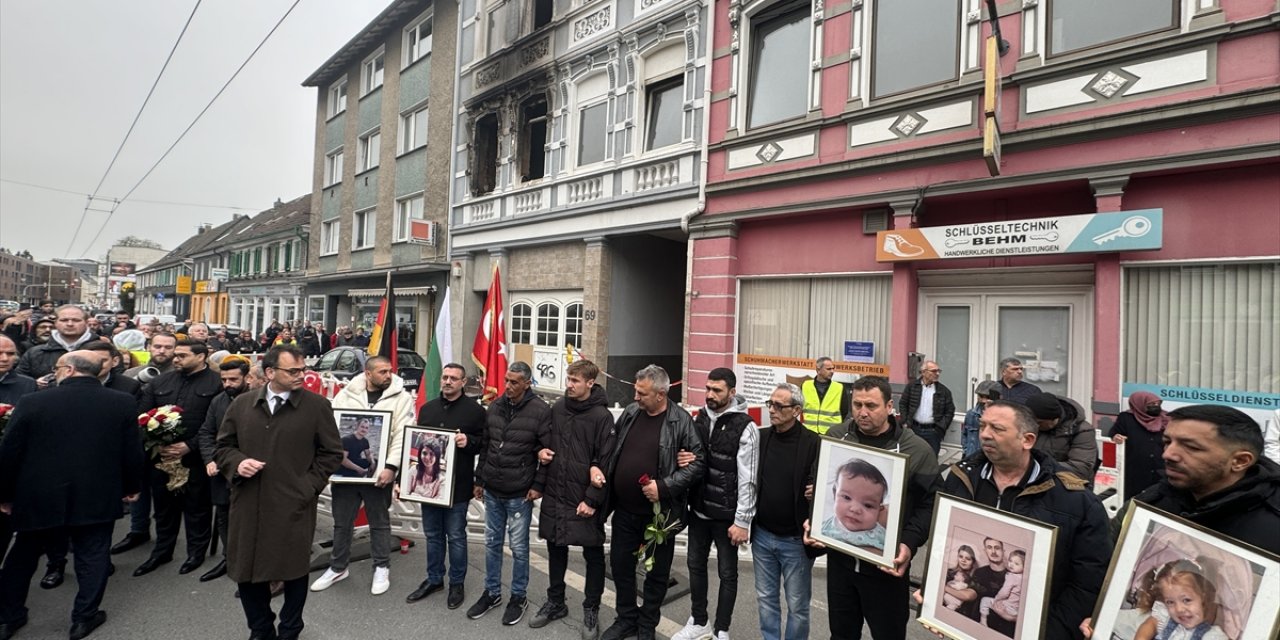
1138,402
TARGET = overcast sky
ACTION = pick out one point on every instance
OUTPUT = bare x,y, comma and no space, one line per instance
74,73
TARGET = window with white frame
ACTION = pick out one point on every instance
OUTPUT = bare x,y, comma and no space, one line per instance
1081,24
333,168
522,323
410,208
809,318
413,130
417,41
910,53
338,97
370,146
548,325
371,72
573,324
362,229
592,124
328,237
778,71
1205,326
664,117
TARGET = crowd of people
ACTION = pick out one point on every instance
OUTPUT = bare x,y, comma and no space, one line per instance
257,450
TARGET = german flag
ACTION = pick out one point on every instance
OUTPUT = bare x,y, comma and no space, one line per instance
382,342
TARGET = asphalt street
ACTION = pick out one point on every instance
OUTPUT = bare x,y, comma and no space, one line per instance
166,606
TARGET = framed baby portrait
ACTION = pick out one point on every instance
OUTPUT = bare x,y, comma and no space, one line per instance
426,466
365,436
988,573
857,503
1170,578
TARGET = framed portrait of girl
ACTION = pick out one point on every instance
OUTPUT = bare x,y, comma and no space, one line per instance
426,466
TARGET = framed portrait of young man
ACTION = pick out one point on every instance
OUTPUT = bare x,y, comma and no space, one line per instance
1170,578
426,466
857,503
988,573
364,444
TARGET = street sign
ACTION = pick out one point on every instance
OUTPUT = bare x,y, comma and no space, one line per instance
159,297
219,274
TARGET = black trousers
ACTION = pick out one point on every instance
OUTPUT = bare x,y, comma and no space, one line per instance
255,598
702,534
874,596
559,563
628,534
6,535
92,545
190,505
221,522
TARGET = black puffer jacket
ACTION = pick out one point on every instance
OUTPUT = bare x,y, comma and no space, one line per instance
38,361
1248,511
514,433
732,456
1073,443
582,435
674,482
1082,550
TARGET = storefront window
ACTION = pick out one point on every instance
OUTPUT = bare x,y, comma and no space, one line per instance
406,325
809,317
1204,326
315,309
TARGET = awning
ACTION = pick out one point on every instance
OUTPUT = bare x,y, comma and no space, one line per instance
400,292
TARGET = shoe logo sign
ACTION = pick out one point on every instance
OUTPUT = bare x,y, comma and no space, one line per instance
1085,233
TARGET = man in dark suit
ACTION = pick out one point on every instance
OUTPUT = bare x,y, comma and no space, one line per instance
69,455
13,386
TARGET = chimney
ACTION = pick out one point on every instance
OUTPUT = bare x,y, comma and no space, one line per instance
204,226
279,202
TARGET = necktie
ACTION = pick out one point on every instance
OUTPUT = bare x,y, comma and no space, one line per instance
276,401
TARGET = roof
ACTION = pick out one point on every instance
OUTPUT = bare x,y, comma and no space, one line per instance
370,38
284,216
190,246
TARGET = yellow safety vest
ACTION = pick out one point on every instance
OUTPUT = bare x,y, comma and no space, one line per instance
823,413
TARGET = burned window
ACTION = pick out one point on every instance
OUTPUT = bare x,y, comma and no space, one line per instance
484,159
533,138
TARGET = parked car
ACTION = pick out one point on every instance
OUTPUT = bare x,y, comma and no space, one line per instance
345,363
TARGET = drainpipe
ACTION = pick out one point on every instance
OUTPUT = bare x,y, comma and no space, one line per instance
708,41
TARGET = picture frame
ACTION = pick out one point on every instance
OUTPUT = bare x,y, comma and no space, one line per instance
1158,550
372,452
969,600
416,483
846,472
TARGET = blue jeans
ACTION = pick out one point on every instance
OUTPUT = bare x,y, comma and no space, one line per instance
781,560
446,526
506,518
969,441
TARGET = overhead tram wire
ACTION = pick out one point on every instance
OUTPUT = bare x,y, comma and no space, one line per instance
190,126
168,202
136,117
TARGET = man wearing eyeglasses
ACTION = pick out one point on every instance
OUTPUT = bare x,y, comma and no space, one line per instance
926,406
277,447
1012,388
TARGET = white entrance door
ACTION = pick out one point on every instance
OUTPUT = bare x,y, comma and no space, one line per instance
968,331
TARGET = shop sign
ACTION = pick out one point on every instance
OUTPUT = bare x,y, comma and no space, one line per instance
1259,405
206,286
1087,233
219,274
184,285
758,375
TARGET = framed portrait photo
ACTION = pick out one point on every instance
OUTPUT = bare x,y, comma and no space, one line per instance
364,444
988,573
1168,572
426,466
857,503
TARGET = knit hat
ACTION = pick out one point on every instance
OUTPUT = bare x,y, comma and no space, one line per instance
1045,406
987,389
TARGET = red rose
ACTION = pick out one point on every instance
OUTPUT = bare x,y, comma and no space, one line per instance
143,420
644,480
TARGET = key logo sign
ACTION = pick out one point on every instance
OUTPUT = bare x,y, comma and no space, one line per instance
1140,230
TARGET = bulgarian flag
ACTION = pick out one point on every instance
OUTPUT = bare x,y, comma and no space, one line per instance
438,355
382,342
490,349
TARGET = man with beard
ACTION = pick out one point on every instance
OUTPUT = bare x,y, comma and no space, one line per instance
39,333
191,385
71,331
235,380
69,456
582,436
274,503
985,582
446,527
722,505
161,350
378,389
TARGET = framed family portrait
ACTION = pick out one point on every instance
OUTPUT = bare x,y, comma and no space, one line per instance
1168,572
988,573
426,466
857,503
364,444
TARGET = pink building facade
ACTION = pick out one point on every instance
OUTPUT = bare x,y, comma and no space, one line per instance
836,125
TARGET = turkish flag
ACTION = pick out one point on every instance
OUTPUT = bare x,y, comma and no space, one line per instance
490,349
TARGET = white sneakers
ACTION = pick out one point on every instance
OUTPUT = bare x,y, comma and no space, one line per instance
330,576
722,635
381,580
694,631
